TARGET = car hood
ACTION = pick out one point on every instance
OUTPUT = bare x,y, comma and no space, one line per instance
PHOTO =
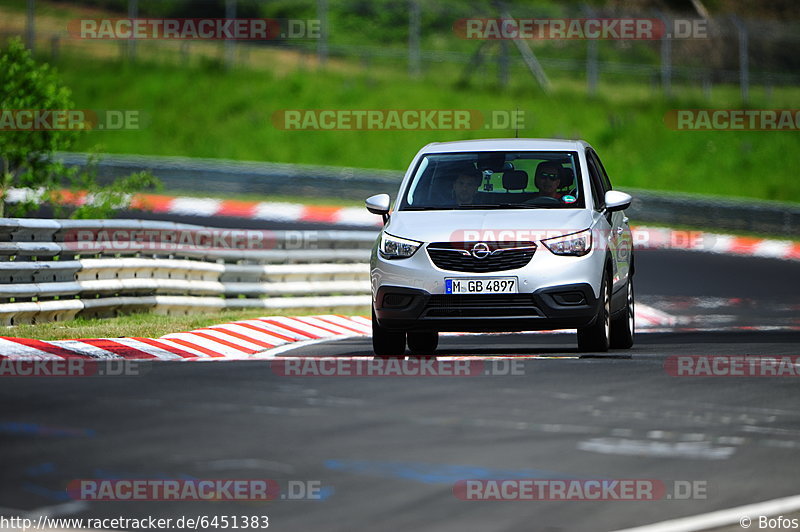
465,225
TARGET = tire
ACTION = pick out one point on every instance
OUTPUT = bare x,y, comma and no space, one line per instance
386,343
623,326
595,337
423,343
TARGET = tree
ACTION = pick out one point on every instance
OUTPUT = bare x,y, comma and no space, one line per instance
27,155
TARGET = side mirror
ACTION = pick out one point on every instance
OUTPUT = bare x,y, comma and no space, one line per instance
379,204
617,201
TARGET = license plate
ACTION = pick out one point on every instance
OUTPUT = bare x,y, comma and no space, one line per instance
485,285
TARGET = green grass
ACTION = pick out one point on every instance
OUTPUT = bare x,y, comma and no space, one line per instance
146,325
205,112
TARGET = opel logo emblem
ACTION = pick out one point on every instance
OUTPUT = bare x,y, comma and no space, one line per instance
480,250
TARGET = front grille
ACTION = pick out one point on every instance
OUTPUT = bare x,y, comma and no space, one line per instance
480,305
456,256
482,300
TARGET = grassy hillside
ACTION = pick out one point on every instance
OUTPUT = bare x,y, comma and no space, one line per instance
206,112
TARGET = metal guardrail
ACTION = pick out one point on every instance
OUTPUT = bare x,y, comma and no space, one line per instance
54,270
694,210
245,177
182,173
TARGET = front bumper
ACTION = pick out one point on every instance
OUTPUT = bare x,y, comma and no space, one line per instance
566,306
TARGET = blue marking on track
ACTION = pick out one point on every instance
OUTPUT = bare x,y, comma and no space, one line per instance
54,495
34,429
324,493
435,473
41,469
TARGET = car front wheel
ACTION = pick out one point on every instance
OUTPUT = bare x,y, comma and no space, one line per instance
386,343
595,337
423,342
622,327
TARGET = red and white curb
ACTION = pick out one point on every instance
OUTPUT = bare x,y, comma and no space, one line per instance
261,338
245,339
208,207
687,240
271,338
268,211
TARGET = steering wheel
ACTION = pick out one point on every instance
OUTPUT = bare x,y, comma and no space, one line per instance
543,200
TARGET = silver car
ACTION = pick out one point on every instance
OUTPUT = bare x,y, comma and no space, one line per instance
502,235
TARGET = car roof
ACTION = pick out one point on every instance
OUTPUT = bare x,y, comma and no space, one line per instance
505,145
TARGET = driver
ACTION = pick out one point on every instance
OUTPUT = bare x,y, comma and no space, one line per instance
548,179
466,185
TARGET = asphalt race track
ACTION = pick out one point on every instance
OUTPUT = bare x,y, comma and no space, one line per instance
387,451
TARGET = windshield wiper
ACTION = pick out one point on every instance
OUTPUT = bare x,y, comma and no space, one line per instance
500,206
476,206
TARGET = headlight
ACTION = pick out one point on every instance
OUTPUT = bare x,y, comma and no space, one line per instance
393,247
576,244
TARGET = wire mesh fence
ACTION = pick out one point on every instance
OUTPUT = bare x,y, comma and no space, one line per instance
423,39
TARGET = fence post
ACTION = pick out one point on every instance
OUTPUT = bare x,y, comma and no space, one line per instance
744,65
666,58
502,64
591,66
30,30
185,54
230,50
322,43
414,60
133,12
55,41
591,59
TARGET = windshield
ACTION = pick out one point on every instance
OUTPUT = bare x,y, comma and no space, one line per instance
495,180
